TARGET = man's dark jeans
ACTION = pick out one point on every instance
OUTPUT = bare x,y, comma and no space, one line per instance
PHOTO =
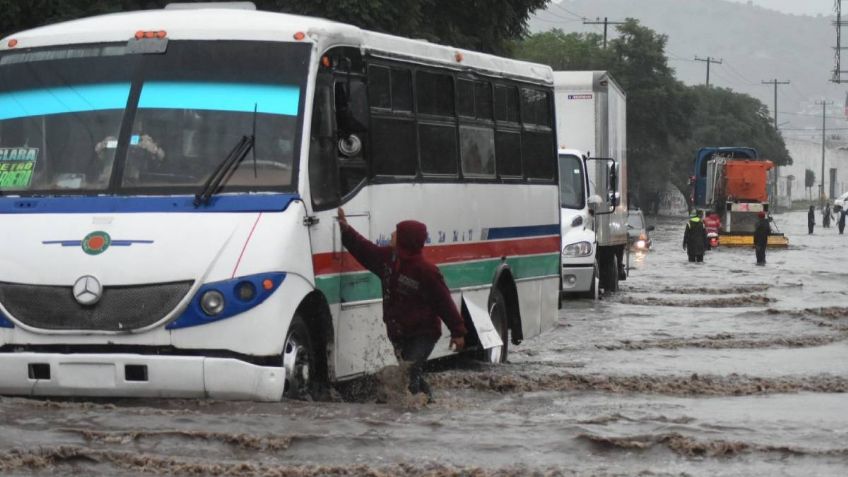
761,254
416,350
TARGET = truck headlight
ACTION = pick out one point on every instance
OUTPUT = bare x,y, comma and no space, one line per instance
579,249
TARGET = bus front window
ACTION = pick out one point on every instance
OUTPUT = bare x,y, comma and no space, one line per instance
571,182
100,120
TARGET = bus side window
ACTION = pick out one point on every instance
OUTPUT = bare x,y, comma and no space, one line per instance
508,133
323,167
393,151
538,147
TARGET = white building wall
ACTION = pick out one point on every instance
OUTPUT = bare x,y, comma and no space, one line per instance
807,154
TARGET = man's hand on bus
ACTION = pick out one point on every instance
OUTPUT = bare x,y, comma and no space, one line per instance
342,218
457,343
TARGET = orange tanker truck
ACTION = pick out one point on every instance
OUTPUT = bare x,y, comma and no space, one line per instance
736,184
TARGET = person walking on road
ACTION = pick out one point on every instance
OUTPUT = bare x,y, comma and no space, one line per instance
415,295
695,239
841,222
811,219
761,235
826,215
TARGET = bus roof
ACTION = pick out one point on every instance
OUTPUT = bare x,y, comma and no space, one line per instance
216,23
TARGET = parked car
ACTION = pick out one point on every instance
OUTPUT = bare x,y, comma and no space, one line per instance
840,202
638,230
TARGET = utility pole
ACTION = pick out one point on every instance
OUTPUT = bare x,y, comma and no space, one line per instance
604,23
709,60
823,104
775,82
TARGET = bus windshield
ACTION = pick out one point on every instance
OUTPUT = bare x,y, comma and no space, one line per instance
102,119
571,182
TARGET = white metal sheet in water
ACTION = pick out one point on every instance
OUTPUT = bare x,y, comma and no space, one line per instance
489,337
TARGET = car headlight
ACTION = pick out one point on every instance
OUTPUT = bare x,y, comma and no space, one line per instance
579,249
640,244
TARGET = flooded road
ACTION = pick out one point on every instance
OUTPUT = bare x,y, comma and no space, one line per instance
720,368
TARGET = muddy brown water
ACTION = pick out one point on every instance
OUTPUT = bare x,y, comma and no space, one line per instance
720,368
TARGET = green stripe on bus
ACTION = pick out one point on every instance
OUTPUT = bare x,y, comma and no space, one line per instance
366,286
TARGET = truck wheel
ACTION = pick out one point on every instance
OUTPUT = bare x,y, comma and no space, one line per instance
609,277
299,361
624,267
595,288
497,313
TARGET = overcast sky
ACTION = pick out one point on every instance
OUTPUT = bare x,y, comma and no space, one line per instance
798,7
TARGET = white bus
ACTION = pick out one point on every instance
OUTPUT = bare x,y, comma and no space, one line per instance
168,189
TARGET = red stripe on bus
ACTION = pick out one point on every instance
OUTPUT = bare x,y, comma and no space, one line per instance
330,263
249,236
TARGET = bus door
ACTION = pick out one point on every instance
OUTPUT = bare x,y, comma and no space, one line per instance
337,175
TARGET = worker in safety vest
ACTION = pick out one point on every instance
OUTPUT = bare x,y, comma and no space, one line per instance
695,239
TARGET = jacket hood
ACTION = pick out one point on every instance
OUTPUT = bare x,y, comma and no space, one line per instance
410,237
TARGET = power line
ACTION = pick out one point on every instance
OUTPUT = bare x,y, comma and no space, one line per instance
570,12
740,75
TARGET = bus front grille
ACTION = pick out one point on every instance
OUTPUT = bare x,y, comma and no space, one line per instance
121,308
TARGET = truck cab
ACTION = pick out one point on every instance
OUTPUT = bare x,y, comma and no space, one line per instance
579,244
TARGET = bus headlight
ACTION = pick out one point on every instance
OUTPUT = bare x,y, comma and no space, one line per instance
212,302
246,291
579,249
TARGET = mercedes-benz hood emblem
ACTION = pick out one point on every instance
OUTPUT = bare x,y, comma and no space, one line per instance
87,290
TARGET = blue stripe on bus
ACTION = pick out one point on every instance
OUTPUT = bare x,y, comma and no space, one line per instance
63,99
240,97
140,204
499,233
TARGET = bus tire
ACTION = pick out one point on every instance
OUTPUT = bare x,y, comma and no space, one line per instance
609,275
300,361
498,315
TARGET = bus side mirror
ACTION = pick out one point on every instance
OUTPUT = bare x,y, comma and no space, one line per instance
613,185
352,106
595,202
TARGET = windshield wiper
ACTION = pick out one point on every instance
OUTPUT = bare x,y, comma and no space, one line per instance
224,169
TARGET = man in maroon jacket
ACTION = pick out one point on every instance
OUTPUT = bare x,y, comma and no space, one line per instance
414,295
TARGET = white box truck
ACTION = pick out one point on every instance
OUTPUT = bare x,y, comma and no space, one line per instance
591,113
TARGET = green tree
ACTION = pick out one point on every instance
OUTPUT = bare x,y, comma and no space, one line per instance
564,51
659,108
809,181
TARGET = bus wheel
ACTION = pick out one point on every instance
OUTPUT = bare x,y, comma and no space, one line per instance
497,313
298,360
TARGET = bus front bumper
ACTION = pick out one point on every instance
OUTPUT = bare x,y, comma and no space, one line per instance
135,375
577,279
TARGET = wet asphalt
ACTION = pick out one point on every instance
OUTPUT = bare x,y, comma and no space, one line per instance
720,368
